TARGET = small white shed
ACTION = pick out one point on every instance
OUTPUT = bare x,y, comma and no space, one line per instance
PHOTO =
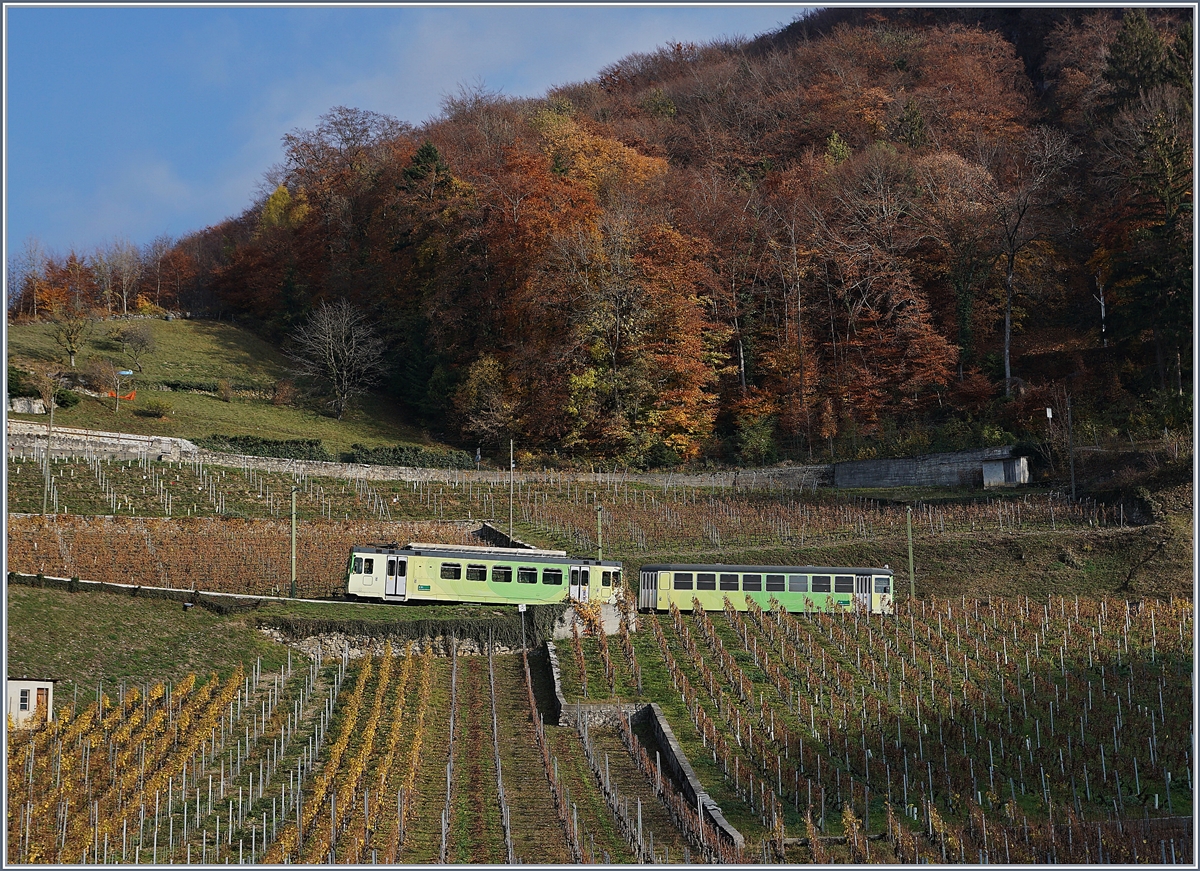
27,696
1005,473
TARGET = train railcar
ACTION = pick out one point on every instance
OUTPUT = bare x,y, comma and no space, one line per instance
421,572
796,588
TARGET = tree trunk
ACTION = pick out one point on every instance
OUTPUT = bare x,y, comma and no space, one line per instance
1008,301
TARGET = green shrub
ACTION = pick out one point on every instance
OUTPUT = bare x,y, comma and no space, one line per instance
254,446
65,398
18,383
156,408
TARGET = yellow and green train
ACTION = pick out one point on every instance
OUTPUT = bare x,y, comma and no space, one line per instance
420,572
796,588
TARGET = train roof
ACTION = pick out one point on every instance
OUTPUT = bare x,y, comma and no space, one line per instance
783,570
419,548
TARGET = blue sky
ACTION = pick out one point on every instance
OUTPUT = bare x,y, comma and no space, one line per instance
131,122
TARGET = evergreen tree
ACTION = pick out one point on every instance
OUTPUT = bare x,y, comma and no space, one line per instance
1137,60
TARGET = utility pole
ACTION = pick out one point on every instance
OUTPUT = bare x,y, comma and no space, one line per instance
511,467
599,533
912,581
46,459
294,489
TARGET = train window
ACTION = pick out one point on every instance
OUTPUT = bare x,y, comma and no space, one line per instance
797,583
476,573
729,582
883,584
358,565
403,567
526,575
617,577
502,574
451,571
843,584
706,581
752,583
606,579
821,583
683,580
774,583
552,576
369,566
391,568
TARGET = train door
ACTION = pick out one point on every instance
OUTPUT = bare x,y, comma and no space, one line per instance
397,576
862,591
580,579
648,592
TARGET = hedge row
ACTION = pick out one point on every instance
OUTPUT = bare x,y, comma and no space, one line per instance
312,449
409,455
254,446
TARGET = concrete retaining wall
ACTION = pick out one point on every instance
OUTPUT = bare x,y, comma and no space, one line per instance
676,763
956,469
674,760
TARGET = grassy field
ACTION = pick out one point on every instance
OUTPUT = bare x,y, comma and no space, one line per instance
206,352
87,638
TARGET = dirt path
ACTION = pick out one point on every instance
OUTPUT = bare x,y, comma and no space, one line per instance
630,783
538,837
423,829
600,832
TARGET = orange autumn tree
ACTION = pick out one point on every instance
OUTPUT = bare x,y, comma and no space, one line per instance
624,294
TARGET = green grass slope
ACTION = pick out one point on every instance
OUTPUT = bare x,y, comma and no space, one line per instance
204,353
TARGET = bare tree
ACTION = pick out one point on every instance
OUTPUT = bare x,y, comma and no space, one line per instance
1023,200
105,376
46,386
71,327
138,341
127,271
103,271
154,258
28,271
338,347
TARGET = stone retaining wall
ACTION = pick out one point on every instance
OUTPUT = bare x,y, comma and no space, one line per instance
957,469
29,439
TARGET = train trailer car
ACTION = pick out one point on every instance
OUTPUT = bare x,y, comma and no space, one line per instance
420,572
796,588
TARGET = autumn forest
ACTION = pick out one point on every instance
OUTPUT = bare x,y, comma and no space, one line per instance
874,232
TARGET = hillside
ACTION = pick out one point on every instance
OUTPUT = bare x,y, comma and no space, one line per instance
202,378
875,232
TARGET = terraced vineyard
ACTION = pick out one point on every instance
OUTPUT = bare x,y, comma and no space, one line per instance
408,758
957,731
1052,729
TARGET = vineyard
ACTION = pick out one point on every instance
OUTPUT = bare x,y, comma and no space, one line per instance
1024,728
217,555
1051,731
407,758
189,525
